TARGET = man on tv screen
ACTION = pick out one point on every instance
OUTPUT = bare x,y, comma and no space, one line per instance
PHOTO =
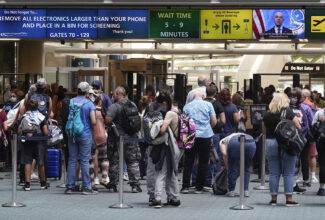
278,31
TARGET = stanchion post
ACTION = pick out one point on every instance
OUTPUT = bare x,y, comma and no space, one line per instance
241,205
121,204
262,186
64,172
13,202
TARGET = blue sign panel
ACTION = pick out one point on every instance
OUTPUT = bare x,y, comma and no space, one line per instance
22,23
71,23
131,24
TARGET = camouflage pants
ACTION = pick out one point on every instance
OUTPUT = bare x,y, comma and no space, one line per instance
131,156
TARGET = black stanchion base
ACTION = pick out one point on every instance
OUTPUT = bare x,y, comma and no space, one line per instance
241,207
120,206
13,204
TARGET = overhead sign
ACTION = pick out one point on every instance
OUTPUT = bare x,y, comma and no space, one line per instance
22,23
174,24
315,23
303,68
226,24
121,24
70,24
279,24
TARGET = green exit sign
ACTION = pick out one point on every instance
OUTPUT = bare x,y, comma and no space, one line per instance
174,24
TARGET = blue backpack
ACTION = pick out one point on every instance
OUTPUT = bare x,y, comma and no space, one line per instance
75,126
43,103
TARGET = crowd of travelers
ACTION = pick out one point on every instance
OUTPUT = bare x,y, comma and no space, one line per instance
201,139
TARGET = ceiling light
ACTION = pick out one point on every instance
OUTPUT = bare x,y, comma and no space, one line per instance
9,39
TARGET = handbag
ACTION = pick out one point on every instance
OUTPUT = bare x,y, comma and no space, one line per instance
100,134
55,133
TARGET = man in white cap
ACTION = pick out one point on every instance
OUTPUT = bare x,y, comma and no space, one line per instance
80,145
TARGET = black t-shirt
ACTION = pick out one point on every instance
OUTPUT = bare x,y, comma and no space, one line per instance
218,108
271,121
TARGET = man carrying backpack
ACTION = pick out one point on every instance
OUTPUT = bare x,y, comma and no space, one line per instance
33,128
81,119
125,116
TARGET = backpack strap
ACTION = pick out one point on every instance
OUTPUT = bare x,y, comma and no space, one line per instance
283,114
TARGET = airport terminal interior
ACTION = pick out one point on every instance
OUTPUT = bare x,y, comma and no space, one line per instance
241,46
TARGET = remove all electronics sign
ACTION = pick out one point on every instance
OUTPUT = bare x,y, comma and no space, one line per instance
174,23
226,24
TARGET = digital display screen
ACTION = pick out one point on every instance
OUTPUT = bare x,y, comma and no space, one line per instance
279,24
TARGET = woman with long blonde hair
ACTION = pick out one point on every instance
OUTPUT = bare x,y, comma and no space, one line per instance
280,162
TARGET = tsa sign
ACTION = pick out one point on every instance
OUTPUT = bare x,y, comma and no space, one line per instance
226,24
174,23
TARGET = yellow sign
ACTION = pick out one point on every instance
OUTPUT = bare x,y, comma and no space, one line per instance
226,24
317,24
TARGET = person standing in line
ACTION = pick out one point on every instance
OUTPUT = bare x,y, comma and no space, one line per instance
204,117
202,82
132,155
280,162
80,146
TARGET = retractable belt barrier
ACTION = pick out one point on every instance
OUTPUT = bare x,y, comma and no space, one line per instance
241,205
13,202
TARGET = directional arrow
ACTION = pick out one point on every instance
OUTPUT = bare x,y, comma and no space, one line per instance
236,26
216,27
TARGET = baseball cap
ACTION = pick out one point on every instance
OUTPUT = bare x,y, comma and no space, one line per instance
83,86
97,83
41,83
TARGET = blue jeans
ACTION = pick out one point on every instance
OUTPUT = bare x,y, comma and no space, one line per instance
80,149
233,151
282,163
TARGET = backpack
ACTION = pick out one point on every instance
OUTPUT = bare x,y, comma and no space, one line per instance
29,127
75,126
43,103
289,138
148,120
220,183
13,114
131,120
186,132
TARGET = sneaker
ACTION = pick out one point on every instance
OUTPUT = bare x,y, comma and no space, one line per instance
26,187
299,179
77,188
96,181
185,190
43,185
321,192
298,190
107,179
110,186
306,184
156,204
172,202
292,203
21,183
68,191
314,180
34,176
273,203
125,176
151,201
86,191
136,188
94,188
246,193
198,191
207,189
230,194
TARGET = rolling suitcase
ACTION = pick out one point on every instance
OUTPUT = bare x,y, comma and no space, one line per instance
54,163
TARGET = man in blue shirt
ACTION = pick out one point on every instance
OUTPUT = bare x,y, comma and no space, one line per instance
80,146
204,117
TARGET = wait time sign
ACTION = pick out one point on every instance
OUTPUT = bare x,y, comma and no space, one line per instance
226,24
174,23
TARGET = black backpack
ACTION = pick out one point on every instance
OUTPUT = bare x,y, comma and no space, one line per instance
289,138
131,120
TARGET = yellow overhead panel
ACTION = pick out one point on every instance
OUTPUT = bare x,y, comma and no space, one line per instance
226,24
317,24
